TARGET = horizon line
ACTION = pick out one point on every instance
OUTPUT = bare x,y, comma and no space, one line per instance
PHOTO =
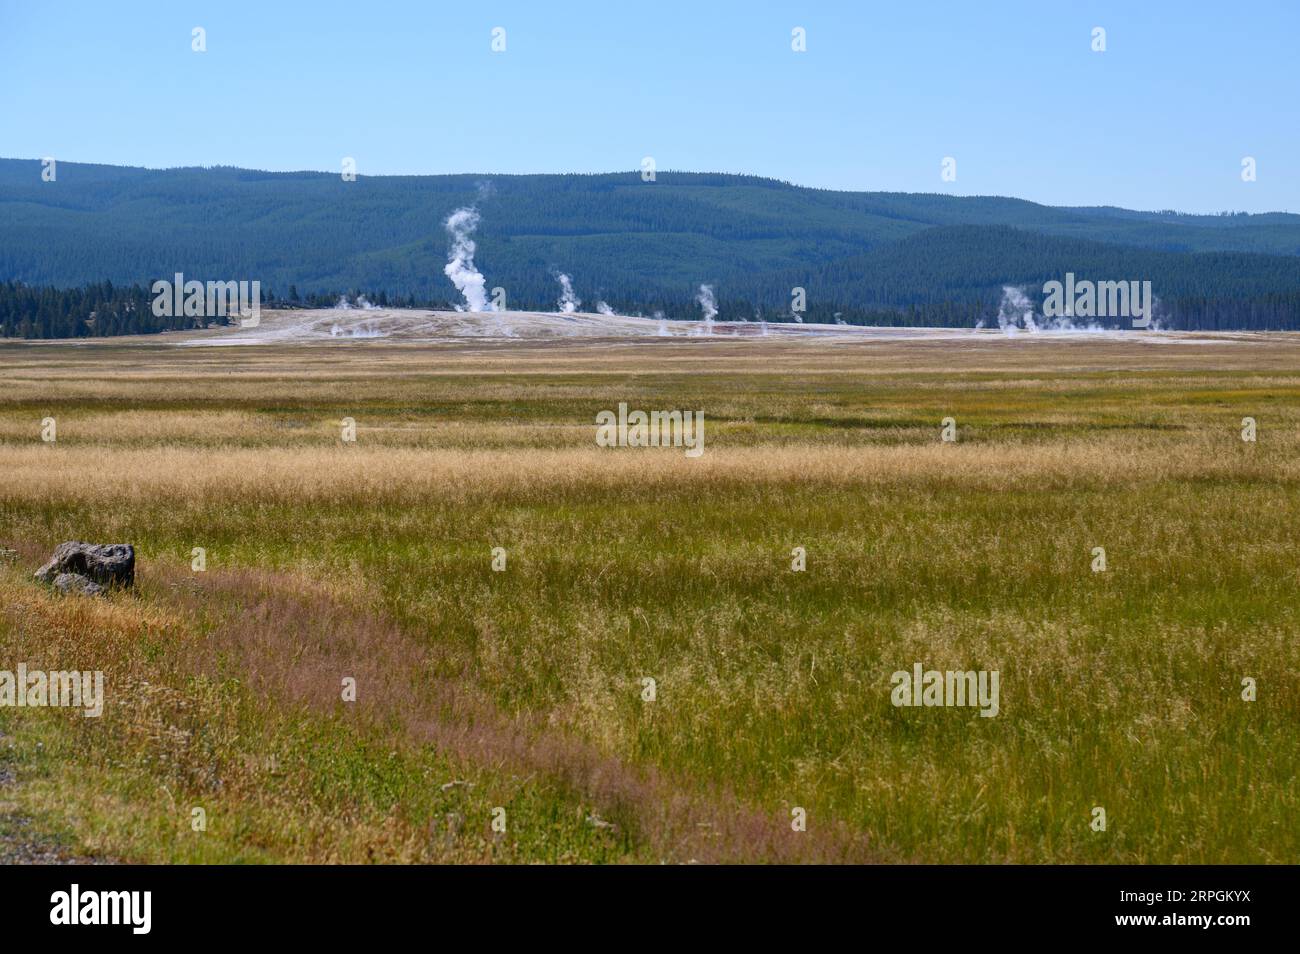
748,175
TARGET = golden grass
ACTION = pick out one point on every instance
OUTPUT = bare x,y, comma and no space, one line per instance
1120,689
112,474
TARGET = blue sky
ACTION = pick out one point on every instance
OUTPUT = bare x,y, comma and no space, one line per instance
885,91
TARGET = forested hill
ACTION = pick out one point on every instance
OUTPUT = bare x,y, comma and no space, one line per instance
638,245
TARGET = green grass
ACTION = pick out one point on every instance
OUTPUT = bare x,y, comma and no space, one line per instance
1119,689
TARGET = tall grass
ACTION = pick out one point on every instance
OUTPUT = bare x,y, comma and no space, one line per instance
1119,689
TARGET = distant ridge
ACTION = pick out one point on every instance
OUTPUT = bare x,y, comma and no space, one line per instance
641,246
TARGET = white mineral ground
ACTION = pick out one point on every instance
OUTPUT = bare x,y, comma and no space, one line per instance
352,326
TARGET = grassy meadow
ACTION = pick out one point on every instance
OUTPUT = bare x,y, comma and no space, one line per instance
522,690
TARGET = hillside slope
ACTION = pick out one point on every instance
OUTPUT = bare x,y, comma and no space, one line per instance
637,245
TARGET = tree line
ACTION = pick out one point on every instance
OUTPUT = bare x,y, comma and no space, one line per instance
104,309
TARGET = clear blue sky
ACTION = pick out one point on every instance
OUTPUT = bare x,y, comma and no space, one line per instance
1011,90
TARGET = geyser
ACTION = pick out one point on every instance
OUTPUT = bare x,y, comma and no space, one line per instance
469,281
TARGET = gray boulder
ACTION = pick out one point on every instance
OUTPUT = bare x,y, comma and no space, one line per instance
76,583
108,565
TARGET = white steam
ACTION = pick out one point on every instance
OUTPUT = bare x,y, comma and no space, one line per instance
704,298
367,330
469,281
604,309
1016,314
344,304
1015,311
568,301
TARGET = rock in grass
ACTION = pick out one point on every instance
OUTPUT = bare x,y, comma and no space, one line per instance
76,583
107,565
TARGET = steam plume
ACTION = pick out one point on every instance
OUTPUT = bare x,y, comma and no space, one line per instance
569,302
1015,311
704,298
468,280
